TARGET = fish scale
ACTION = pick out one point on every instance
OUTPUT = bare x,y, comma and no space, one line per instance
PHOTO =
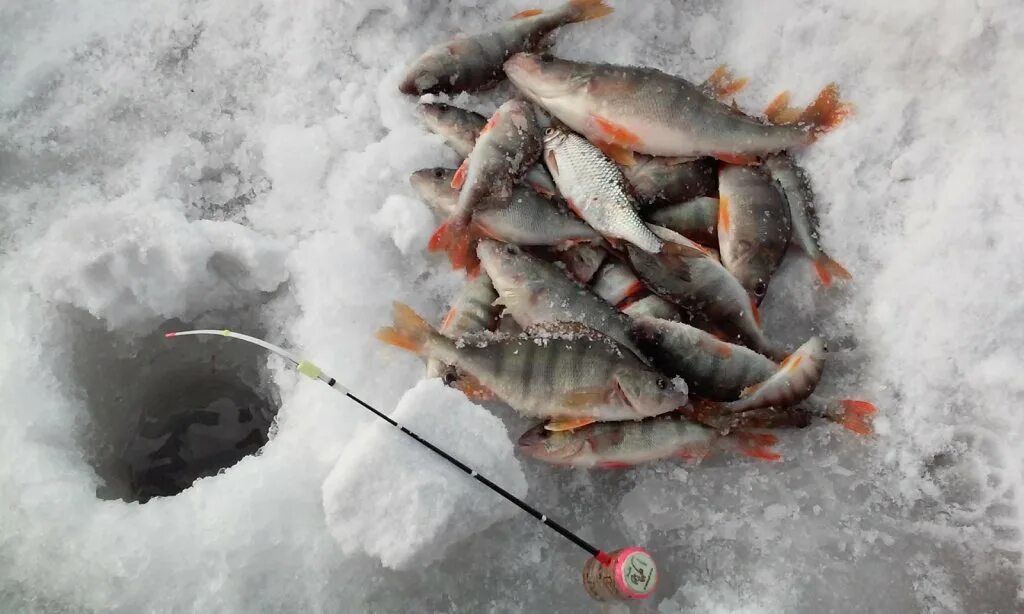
595,189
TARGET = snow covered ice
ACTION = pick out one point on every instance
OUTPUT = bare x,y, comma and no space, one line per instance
245,164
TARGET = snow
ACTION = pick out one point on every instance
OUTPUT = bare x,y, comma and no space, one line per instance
414,517
245,164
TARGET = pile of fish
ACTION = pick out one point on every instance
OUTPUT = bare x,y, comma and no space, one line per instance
617,256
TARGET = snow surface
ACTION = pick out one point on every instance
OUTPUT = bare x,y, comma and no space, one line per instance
245,164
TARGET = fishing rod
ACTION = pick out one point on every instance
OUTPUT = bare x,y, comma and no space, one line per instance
627,573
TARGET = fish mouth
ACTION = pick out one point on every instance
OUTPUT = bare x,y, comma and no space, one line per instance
408,86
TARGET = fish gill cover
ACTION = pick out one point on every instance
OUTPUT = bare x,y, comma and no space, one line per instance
249,161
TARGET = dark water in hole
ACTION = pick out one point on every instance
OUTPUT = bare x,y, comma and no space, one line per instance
163,413
192,430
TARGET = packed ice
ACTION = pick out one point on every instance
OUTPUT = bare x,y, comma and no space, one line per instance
245,165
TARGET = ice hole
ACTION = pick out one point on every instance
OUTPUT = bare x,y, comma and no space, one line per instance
163,413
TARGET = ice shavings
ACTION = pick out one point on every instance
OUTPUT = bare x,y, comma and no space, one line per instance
423,506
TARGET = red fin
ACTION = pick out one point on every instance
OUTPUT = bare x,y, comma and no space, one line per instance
473,389
826,112
757,445
620,155
828,268
722,84
755,312
585,10
856,416
527,13
448,317
572,207
735,158
779,112
460,175
612,465
723,214
440,239
568,424
617,135
460,250
409,331
492,122
633,288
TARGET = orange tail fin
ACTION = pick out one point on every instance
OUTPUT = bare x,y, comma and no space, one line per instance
585,10
826,112
828,268
409,331
856,416
459,241
757,445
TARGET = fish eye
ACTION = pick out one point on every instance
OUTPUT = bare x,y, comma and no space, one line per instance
549,132
661,383
438,172
760,288
511,249
449,378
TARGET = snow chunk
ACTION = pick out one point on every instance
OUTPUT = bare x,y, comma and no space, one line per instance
391,498
406,220
128,262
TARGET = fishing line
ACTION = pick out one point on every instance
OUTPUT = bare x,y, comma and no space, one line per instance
629,572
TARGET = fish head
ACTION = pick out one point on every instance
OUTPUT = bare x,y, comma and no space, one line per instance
552,446
431,73
507,264
434,187
554,137
543,76
650,393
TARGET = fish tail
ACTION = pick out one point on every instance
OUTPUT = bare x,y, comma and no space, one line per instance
585,10
757,445
826,112
856,416
827,269
457,239
409,331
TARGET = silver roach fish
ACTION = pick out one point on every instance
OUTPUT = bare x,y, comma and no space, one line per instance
695,219
647,111
753,226
593,187
460,129
796,188
689,276
740,381
472,311
561,371
525,218
663,181
621,445
534,292
470,63
509,143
